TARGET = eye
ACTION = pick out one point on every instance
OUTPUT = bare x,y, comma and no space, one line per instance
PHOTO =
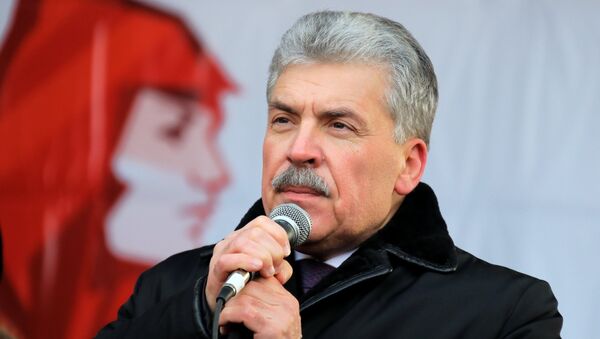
339,125
281,120
174,132
281,123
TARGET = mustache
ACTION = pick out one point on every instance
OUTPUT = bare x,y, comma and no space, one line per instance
300,176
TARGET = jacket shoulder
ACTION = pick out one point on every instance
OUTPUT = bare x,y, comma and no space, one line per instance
527,303
481,271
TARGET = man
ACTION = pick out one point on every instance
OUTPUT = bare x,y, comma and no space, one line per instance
351,101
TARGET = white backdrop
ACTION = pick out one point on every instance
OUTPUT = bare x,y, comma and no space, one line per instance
515,146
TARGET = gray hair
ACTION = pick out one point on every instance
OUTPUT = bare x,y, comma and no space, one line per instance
350,37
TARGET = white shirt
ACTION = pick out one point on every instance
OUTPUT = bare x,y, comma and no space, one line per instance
334,261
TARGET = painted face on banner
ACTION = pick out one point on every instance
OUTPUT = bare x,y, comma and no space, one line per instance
168,160
331,119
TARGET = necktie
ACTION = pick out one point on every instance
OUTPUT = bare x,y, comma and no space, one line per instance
312,271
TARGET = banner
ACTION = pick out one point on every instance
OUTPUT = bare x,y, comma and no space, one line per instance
109,116
132,130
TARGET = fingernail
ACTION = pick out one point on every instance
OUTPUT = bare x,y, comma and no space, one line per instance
271,271
288,250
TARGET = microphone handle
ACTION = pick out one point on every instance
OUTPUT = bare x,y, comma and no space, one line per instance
237,280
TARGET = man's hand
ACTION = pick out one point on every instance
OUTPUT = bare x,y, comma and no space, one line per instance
265,308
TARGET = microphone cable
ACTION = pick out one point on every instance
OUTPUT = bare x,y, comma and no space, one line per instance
226,293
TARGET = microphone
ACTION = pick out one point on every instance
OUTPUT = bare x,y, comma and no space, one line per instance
297,224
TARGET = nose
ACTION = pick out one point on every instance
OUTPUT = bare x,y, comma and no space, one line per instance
210,172
305,150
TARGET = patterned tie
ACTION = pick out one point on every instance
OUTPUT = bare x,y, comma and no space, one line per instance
312,271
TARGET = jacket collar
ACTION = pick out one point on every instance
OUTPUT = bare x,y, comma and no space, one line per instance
417,233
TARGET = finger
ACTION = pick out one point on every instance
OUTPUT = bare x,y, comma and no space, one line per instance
285,272
246,254
245,311
275,231
220,271
258,243
264,307
265,290
230,262
222,266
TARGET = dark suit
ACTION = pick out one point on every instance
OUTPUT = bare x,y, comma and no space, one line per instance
407,281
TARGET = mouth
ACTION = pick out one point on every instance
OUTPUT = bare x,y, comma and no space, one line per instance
301,190
200,211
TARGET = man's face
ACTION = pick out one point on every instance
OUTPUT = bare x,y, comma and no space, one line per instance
332,118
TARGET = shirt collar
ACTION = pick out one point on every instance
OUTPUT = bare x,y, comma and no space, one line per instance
334,261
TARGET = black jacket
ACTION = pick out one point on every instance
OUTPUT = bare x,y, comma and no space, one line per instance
407,281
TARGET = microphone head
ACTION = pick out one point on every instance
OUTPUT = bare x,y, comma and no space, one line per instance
298,219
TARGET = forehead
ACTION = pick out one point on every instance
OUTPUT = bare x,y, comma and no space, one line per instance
321,86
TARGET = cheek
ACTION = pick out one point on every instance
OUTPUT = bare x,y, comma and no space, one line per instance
352,176
265,169
365,182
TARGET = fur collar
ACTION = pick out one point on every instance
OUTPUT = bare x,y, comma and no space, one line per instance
417,233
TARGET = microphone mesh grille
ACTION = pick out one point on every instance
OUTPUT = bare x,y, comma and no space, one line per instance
301,219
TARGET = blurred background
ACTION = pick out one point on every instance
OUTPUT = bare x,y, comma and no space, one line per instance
132,130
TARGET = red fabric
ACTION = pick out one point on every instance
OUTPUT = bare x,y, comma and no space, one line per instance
56,187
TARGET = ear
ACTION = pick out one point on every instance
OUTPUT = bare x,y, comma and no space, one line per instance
414,153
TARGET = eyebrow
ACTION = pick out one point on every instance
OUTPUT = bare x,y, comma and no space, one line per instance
342,112
338,112
282,107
